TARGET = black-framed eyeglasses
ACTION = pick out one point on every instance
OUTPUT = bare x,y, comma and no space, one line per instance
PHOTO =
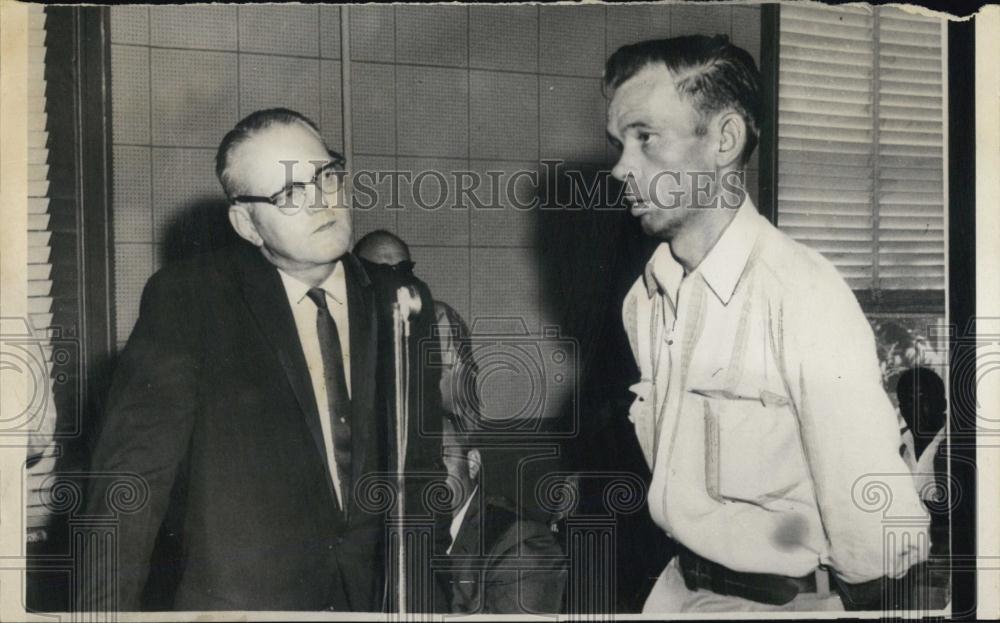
329,179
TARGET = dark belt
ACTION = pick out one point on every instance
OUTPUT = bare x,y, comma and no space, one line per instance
766,588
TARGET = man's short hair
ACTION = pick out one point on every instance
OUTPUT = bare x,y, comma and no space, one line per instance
246,129
373,244
710,72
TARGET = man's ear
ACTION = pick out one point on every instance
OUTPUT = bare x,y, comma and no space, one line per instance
732,139
242,222
475,463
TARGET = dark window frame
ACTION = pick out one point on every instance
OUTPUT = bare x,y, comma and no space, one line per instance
78,107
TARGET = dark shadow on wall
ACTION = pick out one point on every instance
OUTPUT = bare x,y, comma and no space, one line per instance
201,228
590,251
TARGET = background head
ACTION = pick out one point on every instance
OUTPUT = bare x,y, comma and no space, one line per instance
272,155
382,247
922,400
459,371
460,399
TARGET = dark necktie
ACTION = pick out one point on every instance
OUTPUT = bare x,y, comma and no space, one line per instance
336,391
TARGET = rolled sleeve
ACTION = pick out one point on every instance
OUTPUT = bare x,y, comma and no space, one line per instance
872,516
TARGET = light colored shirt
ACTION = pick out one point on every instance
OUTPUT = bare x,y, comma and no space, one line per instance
761,411
304,311
456,521
922,469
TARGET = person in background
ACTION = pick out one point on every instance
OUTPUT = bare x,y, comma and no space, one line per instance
385,255
501,562
923,405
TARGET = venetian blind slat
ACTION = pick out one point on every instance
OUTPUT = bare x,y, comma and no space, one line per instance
860,142
40,302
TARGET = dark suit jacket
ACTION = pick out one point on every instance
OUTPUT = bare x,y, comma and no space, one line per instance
212,400
504,564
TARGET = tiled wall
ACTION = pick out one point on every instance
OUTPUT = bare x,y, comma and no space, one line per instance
446,88
181,77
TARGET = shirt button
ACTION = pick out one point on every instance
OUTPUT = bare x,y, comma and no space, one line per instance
342,420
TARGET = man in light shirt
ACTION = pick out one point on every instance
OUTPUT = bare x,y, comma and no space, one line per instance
760,409
248,400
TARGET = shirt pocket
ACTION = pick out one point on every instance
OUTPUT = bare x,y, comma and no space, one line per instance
752,449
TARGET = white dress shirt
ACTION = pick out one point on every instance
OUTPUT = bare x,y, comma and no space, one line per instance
761,410
304,312
924,477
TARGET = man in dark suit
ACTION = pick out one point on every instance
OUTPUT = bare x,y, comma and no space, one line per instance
501,561
250,401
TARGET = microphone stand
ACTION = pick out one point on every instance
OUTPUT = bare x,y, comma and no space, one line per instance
407,306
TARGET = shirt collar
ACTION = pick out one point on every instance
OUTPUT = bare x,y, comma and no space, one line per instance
721,267
926,460
335,286
663,272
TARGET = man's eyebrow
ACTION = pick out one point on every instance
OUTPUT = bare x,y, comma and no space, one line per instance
634,125
641,125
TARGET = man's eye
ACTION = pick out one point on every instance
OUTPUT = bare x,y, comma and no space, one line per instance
330,180
644,137
294,196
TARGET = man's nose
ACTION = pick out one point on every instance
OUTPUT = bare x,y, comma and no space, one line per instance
315,200
622,169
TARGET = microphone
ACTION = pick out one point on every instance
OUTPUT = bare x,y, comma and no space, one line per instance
408,300
407,306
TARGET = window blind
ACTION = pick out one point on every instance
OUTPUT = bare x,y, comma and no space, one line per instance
860,142
41,454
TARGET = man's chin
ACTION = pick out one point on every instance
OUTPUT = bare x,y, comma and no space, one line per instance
653,227
336,245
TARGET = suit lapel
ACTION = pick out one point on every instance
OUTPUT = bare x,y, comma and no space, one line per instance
466,552
265,296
